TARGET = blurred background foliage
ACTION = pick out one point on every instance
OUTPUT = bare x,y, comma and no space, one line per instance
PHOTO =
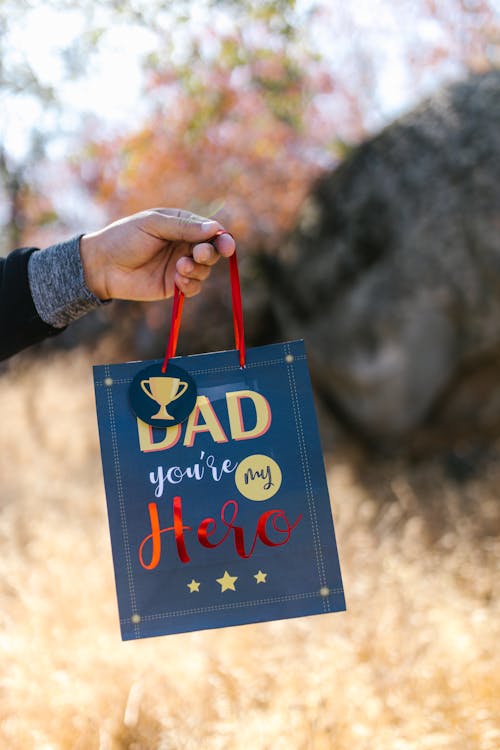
239,106
231,109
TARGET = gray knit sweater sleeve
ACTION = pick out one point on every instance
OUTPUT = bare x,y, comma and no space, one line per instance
57,284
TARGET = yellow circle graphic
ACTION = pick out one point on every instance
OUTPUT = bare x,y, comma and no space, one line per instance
258,477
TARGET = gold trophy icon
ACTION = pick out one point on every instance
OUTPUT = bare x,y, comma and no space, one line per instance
163,390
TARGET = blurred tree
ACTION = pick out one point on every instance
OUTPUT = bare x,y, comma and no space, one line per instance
249,101
244,103
233,129
35,112
30,120
311,77
16,79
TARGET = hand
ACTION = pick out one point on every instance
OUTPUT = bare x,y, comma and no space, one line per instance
143,256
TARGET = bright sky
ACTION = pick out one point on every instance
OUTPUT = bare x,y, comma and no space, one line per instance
111,86
363,31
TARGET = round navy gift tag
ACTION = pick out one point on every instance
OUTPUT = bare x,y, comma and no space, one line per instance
163,399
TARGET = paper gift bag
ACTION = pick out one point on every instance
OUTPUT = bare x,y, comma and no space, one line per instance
223,518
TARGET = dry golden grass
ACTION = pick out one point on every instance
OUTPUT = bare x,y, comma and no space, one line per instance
413,664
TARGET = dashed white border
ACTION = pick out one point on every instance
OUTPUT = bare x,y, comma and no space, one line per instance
229,368
320,564
121,504
231,605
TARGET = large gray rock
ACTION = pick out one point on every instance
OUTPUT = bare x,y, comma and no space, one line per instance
393,275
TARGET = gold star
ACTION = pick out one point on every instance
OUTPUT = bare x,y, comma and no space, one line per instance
227,582
193,586
260,577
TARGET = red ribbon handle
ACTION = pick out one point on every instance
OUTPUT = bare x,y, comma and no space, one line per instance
239,332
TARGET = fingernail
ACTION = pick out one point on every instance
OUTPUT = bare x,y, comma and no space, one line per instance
206,226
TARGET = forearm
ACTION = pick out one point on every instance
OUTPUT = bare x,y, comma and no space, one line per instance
58,286
141,257
41,291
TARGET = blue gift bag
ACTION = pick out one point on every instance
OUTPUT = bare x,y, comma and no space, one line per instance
220,516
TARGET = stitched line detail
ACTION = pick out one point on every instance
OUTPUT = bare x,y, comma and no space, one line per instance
307,477
121,502
248,366
233,605
229,368
309,486
116,381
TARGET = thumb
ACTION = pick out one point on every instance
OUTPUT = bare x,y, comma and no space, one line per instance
185,227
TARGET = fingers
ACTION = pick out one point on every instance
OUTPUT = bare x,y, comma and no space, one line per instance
178,225
204,238
205,254
224,244
179,212
191,272
187,267
184,226
188,286
190,275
